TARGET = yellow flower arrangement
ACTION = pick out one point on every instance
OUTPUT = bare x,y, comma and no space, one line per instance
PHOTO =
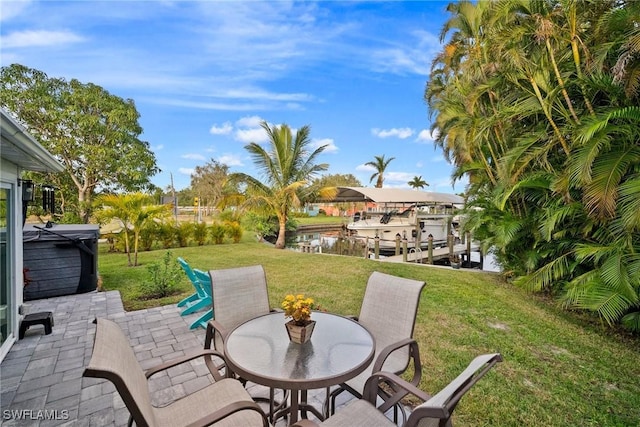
298,308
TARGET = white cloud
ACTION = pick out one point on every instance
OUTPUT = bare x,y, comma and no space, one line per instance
225,129
398,177
186,171
249,122
193,156
157,147
331,146
426,136
231,160
365,168
401,133
257,135
30,38
413,56
419,164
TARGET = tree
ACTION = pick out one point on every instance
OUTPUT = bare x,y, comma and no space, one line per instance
380,165
536,102
93,133
210,183
134,210
286,167
417,182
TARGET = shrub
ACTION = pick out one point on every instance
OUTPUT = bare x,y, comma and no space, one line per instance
234,231
184,231
217,232
200,233
148,235
163,278
167,235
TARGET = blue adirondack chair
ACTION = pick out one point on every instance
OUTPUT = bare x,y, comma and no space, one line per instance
205,281
201,299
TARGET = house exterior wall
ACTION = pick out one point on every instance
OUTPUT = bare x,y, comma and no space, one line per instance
9,173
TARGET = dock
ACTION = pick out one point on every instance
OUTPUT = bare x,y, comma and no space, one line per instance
422,256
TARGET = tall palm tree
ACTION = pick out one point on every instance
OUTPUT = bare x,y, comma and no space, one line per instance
417,182
286,165
134,210
380,165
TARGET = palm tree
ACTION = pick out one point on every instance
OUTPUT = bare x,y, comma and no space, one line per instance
380,165
135,211
287,165
417,182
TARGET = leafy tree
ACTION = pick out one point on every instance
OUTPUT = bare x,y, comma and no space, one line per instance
134,211
536,102
93,133
380,165
286,166
417,182
210,183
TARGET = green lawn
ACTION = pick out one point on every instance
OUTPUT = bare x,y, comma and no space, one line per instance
559,369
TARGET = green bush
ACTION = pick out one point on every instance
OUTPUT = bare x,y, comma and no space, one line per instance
217,232
200,233
163,278
167,235
184,231
148,236
234,231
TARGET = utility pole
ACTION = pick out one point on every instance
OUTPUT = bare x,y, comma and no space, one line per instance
175,200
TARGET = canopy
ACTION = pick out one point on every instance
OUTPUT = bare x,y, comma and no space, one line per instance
394,195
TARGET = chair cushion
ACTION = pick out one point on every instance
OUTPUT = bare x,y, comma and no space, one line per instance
358,413
206,401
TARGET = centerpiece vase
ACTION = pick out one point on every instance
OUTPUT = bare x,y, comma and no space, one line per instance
300,334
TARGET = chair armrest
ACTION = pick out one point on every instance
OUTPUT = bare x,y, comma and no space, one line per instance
180,360
414,353
213,327
231,409
399,385
304,423
442,404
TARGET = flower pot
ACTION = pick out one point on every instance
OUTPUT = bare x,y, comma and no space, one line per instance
300,334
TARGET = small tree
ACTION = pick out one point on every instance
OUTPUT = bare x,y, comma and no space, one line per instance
134,212
163,278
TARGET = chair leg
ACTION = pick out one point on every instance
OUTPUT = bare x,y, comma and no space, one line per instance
202,320
188,300
203,303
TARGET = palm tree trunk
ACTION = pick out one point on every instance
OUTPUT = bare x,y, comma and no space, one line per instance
553,124
280,242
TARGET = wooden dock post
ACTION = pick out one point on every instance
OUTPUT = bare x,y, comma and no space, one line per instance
468,241
397,244
404,249
376,246
430,249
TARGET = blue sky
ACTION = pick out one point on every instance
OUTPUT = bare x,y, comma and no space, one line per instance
204,74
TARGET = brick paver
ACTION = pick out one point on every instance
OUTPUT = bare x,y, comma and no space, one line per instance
41,380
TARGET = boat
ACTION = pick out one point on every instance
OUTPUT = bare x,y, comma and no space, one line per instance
411,224
418,216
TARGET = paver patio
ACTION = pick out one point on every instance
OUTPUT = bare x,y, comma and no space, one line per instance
41,380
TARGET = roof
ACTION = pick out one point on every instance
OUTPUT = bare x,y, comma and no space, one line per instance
394,195
20,148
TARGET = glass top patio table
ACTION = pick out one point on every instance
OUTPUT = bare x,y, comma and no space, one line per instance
259,350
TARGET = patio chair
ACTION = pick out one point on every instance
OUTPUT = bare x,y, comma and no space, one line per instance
205,281
434,411
201,299
388,311
239,294
223,403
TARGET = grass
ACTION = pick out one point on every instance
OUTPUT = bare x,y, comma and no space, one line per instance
559,369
